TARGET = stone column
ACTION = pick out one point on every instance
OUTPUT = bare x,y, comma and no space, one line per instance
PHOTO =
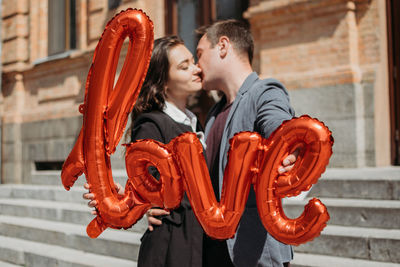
11,123
15,57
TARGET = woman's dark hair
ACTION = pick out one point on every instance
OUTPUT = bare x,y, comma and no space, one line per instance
152,94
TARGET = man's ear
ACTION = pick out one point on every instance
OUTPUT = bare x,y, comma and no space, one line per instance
223,46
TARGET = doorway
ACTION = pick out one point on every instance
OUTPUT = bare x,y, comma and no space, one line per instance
393,15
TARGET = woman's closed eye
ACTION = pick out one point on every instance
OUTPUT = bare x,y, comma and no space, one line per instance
184,65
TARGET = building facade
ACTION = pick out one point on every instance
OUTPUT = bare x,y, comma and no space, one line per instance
338,58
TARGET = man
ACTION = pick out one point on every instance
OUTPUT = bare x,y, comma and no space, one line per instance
225,53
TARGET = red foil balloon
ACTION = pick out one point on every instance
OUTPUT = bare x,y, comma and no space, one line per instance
106,111
315,141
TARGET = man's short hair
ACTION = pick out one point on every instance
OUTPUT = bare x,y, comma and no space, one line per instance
237,31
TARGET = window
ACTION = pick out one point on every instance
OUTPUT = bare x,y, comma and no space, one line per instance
184,16
61,26
230,9
112,4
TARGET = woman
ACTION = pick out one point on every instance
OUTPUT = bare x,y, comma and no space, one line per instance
173,238
160,113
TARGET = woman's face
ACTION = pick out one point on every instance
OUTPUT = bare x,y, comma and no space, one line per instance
184,75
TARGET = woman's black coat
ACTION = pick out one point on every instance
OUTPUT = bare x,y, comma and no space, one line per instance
178,241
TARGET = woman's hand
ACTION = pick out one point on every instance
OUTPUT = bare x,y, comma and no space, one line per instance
90,196
152,220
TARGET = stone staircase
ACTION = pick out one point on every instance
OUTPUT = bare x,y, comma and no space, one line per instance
364,229
41,224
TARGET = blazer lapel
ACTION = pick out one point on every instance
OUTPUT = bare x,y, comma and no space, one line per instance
225,136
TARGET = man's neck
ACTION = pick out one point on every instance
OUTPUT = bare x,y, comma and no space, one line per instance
234,82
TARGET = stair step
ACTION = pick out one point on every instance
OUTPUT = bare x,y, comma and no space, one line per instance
356,242
363,183
54,178
7,264
115,243
28,253
54,211
313,260
43,192
353,212
367,173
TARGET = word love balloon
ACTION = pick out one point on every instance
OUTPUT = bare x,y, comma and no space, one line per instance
253,160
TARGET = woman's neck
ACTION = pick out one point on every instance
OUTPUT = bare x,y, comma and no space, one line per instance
180,103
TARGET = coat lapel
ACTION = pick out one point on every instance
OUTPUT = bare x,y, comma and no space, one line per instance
225,136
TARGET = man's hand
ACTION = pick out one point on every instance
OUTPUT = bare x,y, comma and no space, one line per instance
90,196
288,162
151,220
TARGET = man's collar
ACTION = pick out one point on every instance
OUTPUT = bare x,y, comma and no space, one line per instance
248,82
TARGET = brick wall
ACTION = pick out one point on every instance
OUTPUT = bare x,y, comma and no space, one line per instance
40,93
327,54
14,32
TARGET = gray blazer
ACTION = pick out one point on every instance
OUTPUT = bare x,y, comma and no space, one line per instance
260,106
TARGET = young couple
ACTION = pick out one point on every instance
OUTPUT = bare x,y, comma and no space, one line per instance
224,54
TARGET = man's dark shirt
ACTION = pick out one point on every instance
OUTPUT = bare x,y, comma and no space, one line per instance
213,146
215,252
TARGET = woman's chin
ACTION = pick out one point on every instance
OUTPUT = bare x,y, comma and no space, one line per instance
197,87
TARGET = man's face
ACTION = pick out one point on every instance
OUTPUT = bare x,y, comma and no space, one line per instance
208,59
